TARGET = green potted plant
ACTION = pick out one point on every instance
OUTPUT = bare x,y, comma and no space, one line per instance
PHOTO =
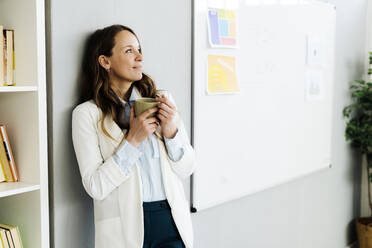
359,132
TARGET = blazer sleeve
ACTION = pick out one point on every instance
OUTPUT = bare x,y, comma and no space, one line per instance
99,177
186,165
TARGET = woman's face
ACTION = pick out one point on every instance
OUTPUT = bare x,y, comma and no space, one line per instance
126,60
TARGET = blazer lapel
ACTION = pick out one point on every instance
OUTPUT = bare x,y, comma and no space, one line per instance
114,130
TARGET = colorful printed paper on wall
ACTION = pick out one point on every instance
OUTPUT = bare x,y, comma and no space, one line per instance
222,28
222,76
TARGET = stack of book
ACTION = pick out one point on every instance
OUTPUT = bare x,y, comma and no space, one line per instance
7,58
10,237
8,170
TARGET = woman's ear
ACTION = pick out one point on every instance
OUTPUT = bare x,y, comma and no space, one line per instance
104,62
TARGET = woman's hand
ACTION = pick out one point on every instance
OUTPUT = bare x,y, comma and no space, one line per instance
166,114
141,127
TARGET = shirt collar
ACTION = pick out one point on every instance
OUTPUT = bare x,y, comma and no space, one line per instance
133,96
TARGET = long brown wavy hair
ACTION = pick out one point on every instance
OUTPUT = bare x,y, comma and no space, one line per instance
96,82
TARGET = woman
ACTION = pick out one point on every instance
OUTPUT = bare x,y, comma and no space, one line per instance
132,166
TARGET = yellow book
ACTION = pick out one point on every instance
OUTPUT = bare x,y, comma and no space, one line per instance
1,57
4,240
15,234
13,57
9,238
5,57
5,162
2,172
1,239
9,153
10,65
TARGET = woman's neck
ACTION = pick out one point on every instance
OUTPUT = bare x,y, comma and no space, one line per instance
120,88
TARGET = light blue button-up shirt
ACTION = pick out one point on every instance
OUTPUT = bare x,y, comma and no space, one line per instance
148,155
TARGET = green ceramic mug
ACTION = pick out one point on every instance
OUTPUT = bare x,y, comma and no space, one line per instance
143,104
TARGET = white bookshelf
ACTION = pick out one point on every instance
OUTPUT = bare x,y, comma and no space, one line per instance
23,112
8,189
18,89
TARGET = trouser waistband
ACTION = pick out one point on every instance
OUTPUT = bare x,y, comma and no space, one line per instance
155,205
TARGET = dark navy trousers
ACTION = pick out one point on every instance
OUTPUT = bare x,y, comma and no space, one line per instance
160,229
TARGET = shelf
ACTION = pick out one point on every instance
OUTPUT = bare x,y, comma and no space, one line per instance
23,109
14,188
18,88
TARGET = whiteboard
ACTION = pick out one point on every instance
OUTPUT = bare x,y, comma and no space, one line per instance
270,132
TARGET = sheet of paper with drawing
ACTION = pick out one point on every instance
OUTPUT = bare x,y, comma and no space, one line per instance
222,76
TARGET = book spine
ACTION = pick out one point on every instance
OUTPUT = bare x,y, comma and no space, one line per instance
9,50
5,57
2,172
1,56
13,58
14,233
16,238
11,176
12,54
4,157
6,240
8,149
9,237
1,239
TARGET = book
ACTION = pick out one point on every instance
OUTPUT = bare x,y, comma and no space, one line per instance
15,235
13,57
9,238
9,58
5,56
2,173
8,150
4,239
4,162
1,56
2,245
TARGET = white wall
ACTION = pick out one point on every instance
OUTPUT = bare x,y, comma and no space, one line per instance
315,211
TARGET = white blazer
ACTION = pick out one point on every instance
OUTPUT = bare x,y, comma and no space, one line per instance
118,212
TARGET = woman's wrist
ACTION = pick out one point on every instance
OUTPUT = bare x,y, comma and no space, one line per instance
170,134
132,140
